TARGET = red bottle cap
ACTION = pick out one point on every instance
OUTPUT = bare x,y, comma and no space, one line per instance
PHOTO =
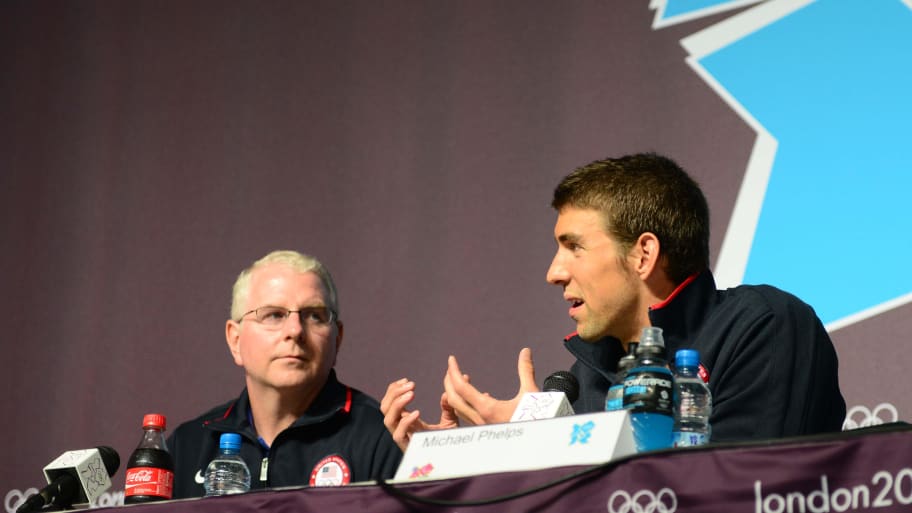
154,420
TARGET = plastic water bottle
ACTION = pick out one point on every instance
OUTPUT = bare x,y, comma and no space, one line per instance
614,399
693,401
150,469
649,393
227,473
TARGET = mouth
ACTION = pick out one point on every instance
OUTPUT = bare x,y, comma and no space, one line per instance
576,305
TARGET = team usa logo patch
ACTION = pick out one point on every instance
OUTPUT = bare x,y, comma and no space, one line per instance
703,373
331,471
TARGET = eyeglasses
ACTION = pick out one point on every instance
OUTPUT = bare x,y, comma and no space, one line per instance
274,317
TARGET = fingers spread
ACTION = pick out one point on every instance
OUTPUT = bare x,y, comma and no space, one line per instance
398,395
394,391
448,417
402,434
460,395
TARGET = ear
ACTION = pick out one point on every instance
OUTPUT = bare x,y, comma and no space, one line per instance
340,328
646,253
233,338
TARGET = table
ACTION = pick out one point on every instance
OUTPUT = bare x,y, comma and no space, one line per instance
866,470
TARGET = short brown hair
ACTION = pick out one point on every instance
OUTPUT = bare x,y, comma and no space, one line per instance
642,193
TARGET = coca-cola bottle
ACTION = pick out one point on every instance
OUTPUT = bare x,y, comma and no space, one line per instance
150,471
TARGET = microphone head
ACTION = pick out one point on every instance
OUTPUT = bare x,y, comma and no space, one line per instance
562,381
83,467
110,458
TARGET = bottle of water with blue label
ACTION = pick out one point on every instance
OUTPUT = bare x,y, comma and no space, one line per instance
227,473
649,393
693,401
614,399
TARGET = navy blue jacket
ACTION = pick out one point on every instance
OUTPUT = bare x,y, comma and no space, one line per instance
342,425
773,370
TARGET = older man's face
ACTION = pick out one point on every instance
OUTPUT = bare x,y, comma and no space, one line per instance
297,354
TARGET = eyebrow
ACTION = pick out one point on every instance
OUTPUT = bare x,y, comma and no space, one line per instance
569,237
314,307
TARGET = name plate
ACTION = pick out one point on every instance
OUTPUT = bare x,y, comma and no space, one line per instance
585,439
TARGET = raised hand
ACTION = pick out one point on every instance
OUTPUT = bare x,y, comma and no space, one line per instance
476,407
402,423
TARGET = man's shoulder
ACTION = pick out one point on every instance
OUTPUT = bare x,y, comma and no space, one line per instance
364,404
758,313
357,419
214,414
763,299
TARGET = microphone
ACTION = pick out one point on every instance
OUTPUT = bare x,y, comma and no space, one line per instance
562,381
558,391
75,477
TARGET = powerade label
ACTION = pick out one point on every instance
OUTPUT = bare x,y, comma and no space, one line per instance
649,389
614,400
149,481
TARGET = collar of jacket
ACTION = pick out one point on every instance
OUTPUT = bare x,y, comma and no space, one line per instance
334,398
683,312
601,355
679,316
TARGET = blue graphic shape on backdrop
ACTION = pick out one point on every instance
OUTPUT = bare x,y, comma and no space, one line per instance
679,7
669,12
832,82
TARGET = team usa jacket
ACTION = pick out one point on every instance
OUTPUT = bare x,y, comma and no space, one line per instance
772,368
340,440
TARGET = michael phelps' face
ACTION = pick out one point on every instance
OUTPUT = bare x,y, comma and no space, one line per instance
596,277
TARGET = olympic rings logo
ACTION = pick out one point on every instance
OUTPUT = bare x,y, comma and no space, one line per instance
860,416
643,501
14,498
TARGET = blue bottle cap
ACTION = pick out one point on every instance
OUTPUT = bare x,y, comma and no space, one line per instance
687,358
230,441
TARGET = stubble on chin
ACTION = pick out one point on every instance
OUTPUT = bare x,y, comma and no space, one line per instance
584,332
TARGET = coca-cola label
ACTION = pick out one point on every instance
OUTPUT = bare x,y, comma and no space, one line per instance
158,482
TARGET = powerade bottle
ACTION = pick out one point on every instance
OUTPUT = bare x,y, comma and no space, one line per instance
614,399
649,393
150,471
693,401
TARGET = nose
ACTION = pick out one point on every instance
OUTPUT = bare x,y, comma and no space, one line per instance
294,325
557,272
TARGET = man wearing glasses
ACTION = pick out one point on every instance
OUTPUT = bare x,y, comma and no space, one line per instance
298,424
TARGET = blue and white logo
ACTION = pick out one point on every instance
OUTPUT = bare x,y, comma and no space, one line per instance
669,12
581,433
827,86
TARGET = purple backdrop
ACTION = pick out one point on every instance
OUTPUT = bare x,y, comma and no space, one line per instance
150,150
